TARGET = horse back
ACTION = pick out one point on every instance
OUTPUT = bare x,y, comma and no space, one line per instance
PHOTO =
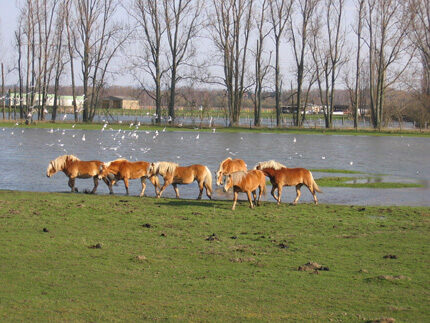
187,174
293,176
83,169
234,165
252,180
130,170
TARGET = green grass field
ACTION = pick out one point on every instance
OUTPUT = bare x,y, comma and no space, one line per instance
77,257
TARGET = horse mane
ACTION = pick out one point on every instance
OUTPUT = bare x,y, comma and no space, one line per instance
269,164
59,162
220,165
237,177
116,160
165,167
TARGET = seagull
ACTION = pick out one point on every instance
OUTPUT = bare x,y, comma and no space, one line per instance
294,140
198,136
51,131
322,157
351,163
83,137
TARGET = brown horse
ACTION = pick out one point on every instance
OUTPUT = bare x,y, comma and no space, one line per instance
246,182
228,166
174,174
74,168
281,176
122,169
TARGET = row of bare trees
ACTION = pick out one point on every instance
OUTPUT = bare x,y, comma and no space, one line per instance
234,44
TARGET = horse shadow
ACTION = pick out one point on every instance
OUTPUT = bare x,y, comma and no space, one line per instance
187,202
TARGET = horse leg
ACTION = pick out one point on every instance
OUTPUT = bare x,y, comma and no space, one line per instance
250,200
279,193
110,185
201,190
314,195
96,183
166,183
298,186
175,187
260,192
126,185
143,182
107,182
273,192
254,195
154,181
234,200
72,184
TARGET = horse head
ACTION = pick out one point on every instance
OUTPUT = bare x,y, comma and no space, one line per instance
152,169
103,170
219,178
228,183
51,169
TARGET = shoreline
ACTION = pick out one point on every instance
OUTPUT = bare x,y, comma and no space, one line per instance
237,129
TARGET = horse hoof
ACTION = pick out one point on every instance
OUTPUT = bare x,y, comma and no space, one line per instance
111,193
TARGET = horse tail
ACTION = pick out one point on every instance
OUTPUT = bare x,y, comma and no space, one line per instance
314,185
208,179
263,187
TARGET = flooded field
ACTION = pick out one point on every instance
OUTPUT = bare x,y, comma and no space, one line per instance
25,155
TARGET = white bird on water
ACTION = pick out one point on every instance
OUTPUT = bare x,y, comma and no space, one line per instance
294,140
351,163
198,136
322,157
83,137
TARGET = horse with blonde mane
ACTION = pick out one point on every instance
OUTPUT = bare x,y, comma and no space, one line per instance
122,169
74,168
174,174
281,176
246,182
228,166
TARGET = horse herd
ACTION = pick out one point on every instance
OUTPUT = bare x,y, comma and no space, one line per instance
234,171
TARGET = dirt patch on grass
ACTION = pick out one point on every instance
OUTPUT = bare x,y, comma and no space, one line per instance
312,266
393,278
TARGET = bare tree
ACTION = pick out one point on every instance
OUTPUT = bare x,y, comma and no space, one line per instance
59,56
358,31
230,26
98,39
261,65
420,37
18,43
148,14
299,27
327,48
181,18
387,24
280,11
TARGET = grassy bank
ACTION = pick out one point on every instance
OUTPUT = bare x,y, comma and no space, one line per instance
77,257
292,130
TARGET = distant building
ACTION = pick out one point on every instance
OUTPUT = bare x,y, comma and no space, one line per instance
64,101
340,110
120,102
